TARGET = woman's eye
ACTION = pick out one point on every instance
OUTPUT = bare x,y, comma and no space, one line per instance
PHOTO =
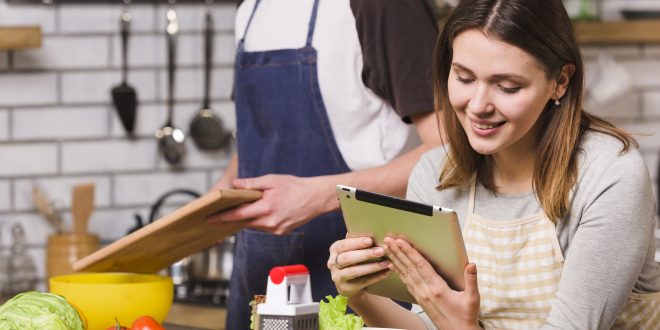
464,80
509,90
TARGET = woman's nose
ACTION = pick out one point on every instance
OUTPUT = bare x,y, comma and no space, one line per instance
479,103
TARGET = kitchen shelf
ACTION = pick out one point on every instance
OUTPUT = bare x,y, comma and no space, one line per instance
20,37
618,32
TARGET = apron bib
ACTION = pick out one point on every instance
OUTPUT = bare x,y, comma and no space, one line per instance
520,264
282,128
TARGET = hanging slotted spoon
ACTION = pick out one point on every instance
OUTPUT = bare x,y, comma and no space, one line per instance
171,140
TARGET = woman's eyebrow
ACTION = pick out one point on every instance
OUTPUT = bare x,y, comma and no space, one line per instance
461,67
495,77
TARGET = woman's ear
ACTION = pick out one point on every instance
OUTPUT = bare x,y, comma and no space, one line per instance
564,78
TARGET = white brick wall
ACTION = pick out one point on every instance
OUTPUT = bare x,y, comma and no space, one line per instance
43,16
651,107
60,189
144,188
645,72
189,83
95,87
4,125
66,53
5,195
58,127
191,17
28,159
108,156
59,123
143,51
42,89
85,19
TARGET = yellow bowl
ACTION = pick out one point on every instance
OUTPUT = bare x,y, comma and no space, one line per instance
102,297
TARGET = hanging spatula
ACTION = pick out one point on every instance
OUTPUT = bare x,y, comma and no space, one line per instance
124,96
82,207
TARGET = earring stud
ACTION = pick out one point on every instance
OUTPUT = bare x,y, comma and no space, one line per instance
557,103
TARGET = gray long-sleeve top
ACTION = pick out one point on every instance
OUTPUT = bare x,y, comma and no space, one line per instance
607,238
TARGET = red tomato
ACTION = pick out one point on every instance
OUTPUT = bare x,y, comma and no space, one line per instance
146,323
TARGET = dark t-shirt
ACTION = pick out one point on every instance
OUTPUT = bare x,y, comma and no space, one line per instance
396,66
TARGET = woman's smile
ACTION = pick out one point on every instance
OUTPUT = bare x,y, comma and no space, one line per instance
486,128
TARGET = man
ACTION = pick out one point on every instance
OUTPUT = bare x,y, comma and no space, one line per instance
325,91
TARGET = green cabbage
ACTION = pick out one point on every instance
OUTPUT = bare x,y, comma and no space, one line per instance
332,315
35,310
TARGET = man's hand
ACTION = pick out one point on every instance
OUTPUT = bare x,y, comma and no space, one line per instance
288,202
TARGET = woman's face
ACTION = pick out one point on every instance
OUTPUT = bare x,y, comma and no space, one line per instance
498,92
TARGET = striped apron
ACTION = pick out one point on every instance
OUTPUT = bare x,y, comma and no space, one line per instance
520,264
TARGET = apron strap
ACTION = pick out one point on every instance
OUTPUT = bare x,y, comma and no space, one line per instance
310,29
312,24
247,26
473,189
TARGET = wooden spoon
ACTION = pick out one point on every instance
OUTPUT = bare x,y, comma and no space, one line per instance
82,207
47,209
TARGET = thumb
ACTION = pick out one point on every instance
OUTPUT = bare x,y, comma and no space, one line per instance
470,275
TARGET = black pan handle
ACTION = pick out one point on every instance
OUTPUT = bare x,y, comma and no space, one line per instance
161,200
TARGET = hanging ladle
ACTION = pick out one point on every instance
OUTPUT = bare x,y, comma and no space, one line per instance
206,128
171,140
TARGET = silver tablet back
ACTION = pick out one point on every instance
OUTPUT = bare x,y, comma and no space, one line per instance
432,230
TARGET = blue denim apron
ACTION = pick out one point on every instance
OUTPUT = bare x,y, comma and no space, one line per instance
282,128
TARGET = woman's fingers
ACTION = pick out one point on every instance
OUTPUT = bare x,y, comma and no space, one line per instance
355,264
348,288
471,287
351,243
394,254
360,270
352,251
415,267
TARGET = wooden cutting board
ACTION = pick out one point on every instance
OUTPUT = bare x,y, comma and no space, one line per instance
171,238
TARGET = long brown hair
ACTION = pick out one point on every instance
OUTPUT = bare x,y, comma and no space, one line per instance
543,29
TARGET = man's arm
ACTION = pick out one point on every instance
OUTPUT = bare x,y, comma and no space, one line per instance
289,201
390,178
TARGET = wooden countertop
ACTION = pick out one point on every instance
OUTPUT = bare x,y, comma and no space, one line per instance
197,317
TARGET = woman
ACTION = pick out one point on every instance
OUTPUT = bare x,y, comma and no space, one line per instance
555,203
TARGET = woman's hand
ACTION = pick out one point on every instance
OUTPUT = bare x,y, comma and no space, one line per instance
350,267
447,308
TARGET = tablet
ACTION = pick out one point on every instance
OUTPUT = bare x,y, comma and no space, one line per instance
434,231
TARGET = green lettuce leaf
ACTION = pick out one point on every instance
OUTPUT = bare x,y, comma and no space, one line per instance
332,315
35,310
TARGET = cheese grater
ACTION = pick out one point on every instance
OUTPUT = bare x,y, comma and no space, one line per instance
289,304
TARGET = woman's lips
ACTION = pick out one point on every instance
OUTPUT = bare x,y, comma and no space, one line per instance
486,128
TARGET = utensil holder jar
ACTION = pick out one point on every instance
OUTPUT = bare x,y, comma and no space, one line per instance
63,250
